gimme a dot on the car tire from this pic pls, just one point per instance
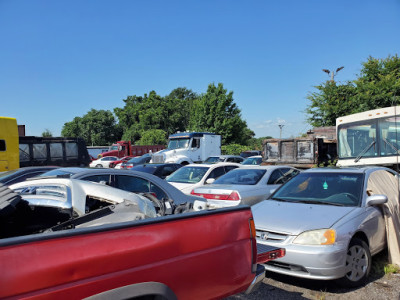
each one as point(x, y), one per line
point(99, 166)
point(358, 264)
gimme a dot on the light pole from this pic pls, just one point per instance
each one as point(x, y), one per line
point(280, 130)
point(332, 73)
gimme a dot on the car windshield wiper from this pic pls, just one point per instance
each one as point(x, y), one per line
point(321, 202)
point(282, 200)
point(364, 151)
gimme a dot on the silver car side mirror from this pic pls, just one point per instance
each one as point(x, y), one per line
point(376, 200)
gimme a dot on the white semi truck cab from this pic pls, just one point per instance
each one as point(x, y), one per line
point(189, 147)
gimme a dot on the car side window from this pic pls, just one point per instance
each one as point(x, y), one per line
point(229, 168)
point(132, 184)
point(275, 176)
point(157, 191)
point(98, 178)
point(167, 170)
point(217, 172)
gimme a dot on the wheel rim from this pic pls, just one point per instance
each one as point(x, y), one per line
point(357, 263)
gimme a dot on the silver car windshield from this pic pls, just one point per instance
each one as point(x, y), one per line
point(188, 174)
point(241, 176)
point(342, 189)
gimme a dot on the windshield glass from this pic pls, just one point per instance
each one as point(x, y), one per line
point(187, 174)
point(252, 161)
point(58, 172)
point(7, 173)
point(113, 147)
point(213, 159)
point(178, 143)
point(241, 176)
point(138, 159)
point(325, 188)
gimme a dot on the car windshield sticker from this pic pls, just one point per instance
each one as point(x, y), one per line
point(325, 185)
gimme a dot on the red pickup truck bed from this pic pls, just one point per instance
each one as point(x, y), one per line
point(201, 255)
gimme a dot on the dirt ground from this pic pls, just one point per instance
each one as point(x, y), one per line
point(276, 286)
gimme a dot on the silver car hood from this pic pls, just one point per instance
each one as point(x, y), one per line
point(295, 218)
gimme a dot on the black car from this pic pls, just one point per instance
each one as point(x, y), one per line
point(160, 170)
point(18, 175)
point(248, 153)
point(138, 160)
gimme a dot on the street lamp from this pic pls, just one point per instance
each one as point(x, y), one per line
point(280, 130)
point(332, 73)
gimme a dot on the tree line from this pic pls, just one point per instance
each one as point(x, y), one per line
point(150, 118)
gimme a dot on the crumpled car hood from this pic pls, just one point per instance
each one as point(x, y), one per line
point(295, 218)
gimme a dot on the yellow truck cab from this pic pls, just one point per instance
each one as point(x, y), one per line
point(9, 141)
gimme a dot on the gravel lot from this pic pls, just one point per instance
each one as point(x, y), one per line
point(275, 286)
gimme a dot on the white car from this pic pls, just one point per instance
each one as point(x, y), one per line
point(194, 175)
point(103, 162)
point(245, 185)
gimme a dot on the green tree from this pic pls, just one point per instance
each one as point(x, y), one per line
point(97, 127)
point(378, 85)
point(153, 137)
point(215, 111)
point(170, 113)
point(47, 133)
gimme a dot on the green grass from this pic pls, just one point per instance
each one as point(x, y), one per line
point(381, 266)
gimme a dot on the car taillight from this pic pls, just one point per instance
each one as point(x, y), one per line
point(233, 196)
point(252, 228)
point(129, 167)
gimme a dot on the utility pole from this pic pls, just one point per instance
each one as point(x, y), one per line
point(280, 130)
point(332, 73)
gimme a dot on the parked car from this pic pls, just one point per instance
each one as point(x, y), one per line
point(132, 181)
point(138, 160)
point(224, 158)
point(245, 185)
point(253, 160)
point(159, 170)
point(103, 162)
point(18, 175)
point(194, 175)
point(114, 163)
point(248, 153)
point(330, 221)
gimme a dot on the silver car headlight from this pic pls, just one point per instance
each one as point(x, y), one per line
point(316, 237)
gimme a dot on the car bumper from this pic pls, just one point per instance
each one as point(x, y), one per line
point(313, 262)
point(260, 275)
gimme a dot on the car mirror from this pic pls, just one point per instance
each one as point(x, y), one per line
point(210, 180)
point(376, 200)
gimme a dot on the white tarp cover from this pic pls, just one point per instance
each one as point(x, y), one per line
point(383, 182)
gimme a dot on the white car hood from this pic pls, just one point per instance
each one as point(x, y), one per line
point(295, 218)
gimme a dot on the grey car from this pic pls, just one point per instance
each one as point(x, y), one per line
point(132, 181)
point(245, 185)
point(330, 221)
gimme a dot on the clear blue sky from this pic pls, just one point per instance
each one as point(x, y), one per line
point(59, 59)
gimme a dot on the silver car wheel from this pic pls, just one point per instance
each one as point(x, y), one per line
point(357, 263)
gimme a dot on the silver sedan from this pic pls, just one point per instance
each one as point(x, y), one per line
point(244, 185)
point(330, 222)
